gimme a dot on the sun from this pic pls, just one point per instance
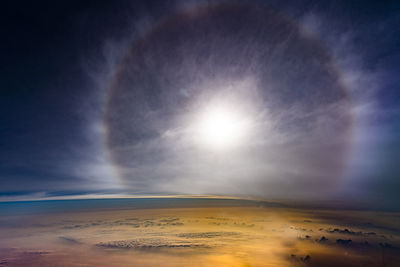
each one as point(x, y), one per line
point(221, 128)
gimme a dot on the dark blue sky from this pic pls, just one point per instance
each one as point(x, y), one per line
point(57, 58)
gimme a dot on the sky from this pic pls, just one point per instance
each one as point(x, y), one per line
point(291, 100)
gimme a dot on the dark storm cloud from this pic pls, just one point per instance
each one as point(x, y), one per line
point(344, 241)
point(349, 232)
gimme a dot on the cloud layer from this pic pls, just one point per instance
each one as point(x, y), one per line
point(260, 65)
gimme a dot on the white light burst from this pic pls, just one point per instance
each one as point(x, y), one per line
point(221, 128)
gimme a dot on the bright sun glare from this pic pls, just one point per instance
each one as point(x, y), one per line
point(221, 128)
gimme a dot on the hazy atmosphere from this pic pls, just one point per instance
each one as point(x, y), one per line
point(269, 99)
point(200, 133)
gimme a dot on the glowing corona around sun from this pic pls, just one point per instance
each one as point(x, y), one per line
point(221, 128)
